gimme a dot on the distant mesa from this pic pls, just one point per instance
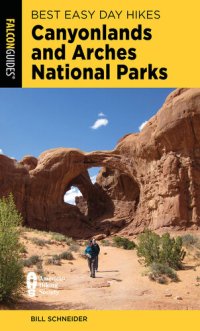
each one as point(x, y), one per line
point(151, 179)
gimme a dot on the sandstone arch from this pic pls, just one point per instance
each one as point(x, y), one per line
point(59, 169)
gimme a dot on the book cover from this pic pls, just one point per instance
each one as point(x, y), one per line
point(99, 165)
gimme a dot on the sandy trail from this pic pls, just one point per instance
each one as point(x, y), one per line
point(119, 284)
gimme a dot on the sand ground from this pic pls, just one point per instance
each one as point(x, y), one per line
point(119, 284)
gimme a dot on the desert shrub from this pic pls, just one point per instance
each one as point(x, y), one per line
point(165, 250)
point(171, 252)
point(58, 237)
point(124, 243)
point(106, 242)
point(148, 247)
point(74, 247)
point(190, 240)
point(40, 242)
point(26, 263)
point(32, 260)
point(54, 260)
point(35, 231)
point(161, 273)
point(22, 249)
point(62, 238)
point(69, 241)
point(24, 236)
point(67, 255)
point(11, 268)
point(40, 270)
point(28, 229)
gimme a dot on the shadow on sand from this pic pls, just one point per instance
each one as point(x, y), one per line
point(39, 305)
point(108, 271)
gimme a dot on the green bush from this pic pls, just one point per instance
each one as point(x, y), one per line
point(66, 256)
point(171, 252)
point(161, 272)
point(11, 268)
point(149, 247)
point(165, 250)
point(124, 243)
point(32, 260)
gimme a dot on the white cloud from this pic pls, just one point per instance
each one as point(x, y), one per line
point(74, 192)
point(142, 125)
point(101, 114)
point(1, 151)
point(93, 179)
point(70, 195)
point(100, 122)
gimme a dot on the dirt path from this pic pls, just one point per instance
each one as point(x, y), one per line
point(119, 284)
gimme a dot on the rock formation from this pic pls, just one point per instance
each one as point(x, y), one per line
point(151, 179)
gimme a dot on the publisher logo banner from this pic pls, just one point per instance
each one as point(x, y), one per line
point(11, 44)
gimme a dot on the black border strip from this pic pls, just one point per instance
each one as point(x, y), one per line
point(11, 43)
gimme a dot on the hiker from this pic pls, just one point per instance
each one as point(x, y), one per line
point(97, 249)
point(90, 252)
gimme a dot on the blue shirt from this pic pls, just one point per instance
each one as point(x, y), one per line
point(90, 250)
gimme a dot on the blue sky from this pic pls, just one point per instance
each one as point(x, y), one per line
point(34, 120)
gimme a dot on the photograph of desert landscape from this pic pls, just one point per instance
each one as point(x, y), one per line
point(117, 166)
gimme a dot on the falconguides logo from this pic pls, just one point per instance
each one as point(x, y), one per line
point(31, 283)
point(10, 48)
